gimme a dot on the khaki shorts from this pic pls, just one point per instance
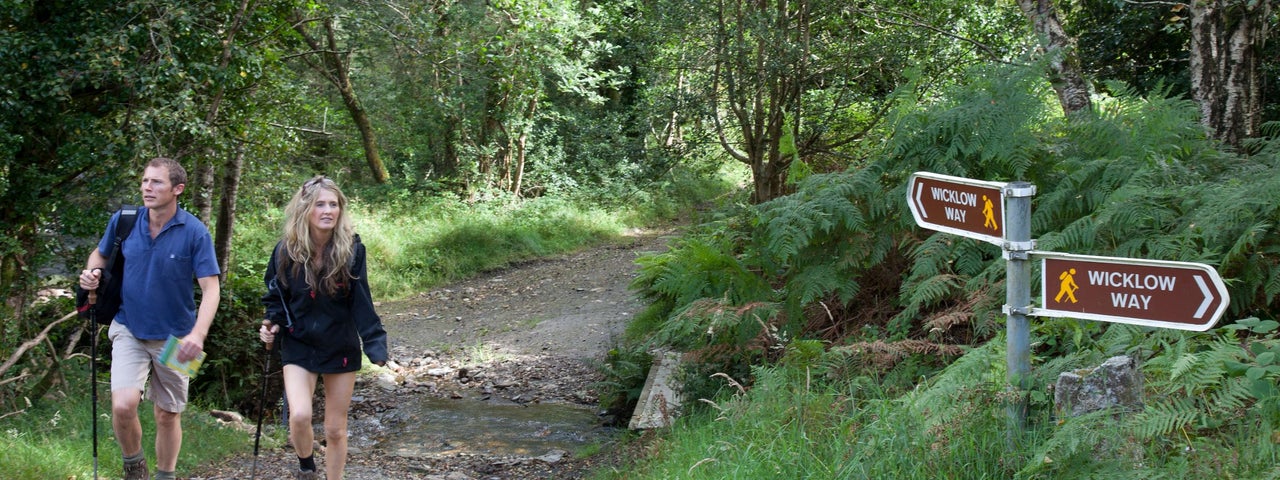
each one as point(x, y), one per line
point(133, 360)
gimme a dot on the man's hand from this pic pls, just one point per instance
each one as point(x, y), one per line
point(192, 345)
point(89, 279)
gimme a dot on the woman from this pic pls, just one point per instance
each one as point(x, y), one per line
point(317, 290)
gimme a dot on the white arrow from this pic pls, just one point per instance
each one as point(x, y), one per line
point(1208, 296)
point(920, 189)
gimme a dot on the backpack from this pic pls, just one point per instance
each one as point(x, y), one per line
point(112, 275)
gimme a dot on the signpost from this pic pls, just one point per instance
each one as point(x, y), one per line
point(1153, 293)
point(962, 206)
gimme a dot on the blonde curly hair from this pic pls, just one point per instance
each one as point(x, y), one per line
point(334, 270)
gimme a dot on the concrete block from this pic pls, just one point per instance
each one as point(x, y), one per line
point(660, 399)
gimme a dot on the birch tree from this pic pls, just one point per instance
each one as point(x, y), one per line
point(1227, 38)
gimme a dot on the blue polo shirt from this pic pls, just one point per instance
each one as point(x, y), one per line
point(158, 290)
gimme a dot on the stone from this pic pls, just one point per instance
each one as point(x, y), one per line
point(387, 381)
point(553, 456)
point(1116, 383)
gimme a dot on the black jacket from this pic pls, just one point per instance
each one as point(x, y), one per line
point(323, 333)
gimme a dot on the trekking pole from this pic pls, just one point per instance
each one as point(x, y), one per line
point(93, 372)
point(262, 407)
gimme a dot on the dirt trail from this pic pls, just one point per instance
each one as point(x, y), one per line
point(526, 333)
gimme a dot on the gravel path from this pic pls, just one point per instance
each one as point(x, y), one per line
point(529, 333)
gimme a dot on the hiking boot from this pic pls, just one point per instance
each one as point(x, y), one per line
point(136, 471)
point(307, 475)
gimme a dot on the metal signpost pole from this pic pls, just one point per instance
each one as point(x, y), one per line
point(1017, 253)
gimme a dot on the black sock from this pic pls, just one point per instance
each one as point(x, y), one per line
point(307, 464)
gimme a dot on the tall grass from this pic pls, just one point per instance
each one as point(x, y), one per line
point(796, 423)
point(53, 438)
point(778, 429)
point(415, 243)
point(808, 423)
point(443, 242)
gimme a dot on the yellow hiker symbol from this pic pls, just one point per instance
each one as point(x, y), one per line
point(1068, 286)
point(989, 211)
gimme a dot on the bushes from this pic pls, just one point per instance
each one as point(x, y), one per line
point(841, 260)
point(232, 373)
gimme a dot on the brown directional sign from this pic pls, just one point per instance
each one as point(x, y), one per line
point(1180, 295)
point(962, 206)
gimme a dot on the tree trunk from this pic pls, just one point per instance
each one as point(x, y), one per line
point(1064, 66)
point(1226, 40)
point(227, 209)
point(769, 177)
point(203, 175)
point(342, 79)
point(760, 83)
point(368, 140)
point(202, 188)
point(337, 71)
point(489, 140)
point(521, 143)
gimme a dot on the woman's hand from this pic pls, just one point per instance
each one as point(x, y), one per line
point(267, 333)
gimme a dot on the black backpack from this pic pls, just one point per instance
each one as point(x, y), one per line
point(112, 273)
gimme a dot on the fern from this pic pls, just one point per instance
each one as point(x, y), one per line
point(1233, 395)
point(981, 367)
point(1163, 418)
point(1200, 371)
point(1138, 179)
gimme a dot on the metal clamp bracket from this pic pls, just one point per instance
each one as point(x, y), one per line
point(1010, 310)
point(1019, 190)
point(1023, 249)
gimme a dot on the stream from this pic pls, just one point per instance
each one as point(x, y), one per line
point(426, 427)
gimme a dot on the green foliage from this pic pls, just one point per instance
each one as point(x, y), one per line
point(625, 370)
point(516, 97)
point(840, 230)
point(819, 73)
point(954, 424)
point(1136, 179)
point(750, 435)
point(54, 439)
point(1141, 44)
point(95, 89)
point(796, 422)
point(232, 373)
point(418, 245)
point(697, 268)
point(39, 371)
point(1210, 410)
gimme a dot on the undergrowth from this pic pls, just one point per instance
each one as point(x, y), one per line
point(53, 438)
point(842, 262)
point(817, 420)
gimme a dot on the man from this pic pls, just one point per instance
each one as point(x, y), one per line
point(167, 248)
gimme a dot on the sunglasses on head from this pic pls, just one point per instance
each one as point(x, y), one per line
point(315, 181)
